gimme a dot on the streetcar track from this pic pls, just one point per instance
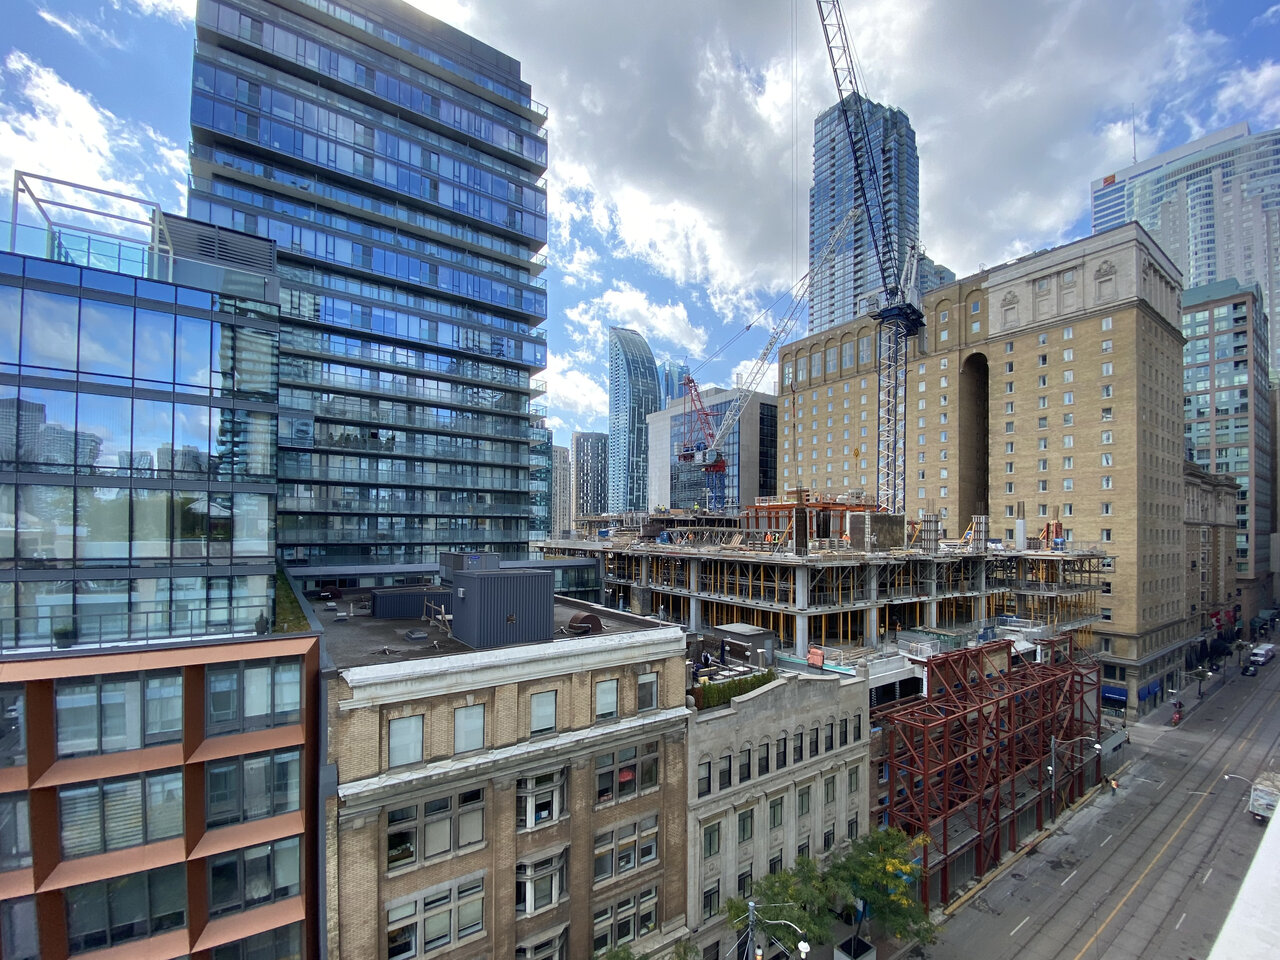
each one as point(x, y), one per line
point(1246, 714)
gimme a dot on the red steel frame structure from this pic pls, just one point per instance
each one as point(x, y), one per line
point(967, 765)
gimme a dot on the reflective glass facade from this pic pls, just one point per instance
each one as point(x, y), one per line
point(137, 458)
point(1213, 205)
point(850, 285)
point(634, 393)
point(590, 474)
point(398, 165)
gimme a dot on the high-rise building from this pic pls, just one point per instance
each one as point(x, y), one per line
point(634, 393)
point(561, 493)
point(1228, 423)
point(850, 284)
point(671, 374)
point(1049, 397)
point(156, 775)
point(1212, 204)
point(398, 164)
point(750, 452)
point(540, 481)
point(590, 474)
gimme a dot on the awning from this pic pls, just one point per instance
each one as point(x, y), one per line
point(1115, 693)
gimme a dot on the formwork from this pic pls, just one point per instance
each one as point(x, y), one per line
point(968, 764)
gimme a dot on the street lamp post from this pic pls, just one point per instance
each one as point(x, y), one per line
point(1054, 744)
point(802, 946)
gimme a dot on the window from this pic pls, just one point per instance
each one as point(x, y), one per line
point(435, 917)
point(746, 825)
point(540, 883)
point(710, 840)
point(829, 731)
point(15, 832)
point(975, 306)
point(797, 748)
point(240, 879)
point(1108, 459)
point(1106, 323)
point(647, 692)
point(1108, 369)
point(631, 918)
point(13, 727)
point(468, 728)
point(606, 699)
point(1106, 535)
point(1106, 436)
point(744, 764)
point(283, 941)
point(828, 839)
point(110, 713)
point(114, 814)
point(1068, 333)
point(542, 712)
point(622, 770)
point(780, 752)
point(851, 828)
point(107, 912)
point(829, 790)
point(239, 789)
point(857, 727)
point(540, 799)
point(1106, 508)
point(802, 801)
point(252, 696)
point(844, 731)
point(762, 758)
point(704, 778)
point(1106, 346)
point(775, 813)
point(711, 901)
point(404, 740)
point(553, 948)
point(1106, 482)
point(1068, 397)
point(813, 741)
point(802, 849)
point(429, 828)
point(744, 883)
point(853, 780)
point(725, 773)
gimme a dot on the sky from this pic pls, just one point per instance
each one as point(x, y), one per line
point(681, 131)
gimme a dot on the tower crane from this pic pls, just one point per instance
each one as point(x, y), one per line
point(900, 317)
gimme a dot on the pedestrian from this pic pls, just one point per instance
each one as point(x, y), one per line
point(1114, 785)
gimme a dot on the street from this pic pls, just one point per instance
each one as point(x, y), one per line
point(1150, 871)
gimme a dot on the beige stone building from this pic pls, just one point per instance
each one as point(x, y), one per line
point(775, 774)
point(524, 801)
point(1047, 390)
point(1210, 520)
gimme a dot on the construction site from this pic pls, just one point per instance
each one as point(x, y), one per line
point(977, 651)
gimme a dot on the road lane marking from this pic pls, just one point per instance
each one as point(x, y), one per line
point(1106, 841)
point(1178, 925)
point(1206, 877)
point(1143, 876)
point(1065, 882)
point(1018, 927)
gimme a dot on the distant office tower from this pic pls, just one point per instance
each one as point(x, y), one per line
point(671, 376)
point(930, 275)
point(633, 395)
point(154, 711)
point(590, 469)
point(851, 285)
point(561, 493)
point(1228, 416)
point(1213, 205)
point(750, 451)
point(398, 164)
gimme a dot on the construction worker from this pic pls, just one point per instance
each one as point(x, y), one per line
point(1115, 785)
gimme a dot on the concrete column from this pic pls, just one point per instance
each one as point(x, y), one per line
point(645, 571)
point(802, 608)
point(872, 637)
point(695, 600)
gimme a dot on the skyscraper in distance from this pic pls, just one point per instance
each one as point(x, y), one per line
point(634, 393)
point(398, 164)
point(671, 374)
point(590, 474)
point(1212, 204)
point(850, 285)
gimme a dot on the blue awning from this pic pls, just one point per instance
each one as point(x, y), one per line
point(1115, 693)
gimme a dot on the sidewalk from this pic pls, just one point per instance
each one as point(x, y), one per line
point(1162, 716)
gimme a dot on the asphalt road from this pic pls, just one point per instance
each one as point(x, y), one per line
point(1150, 871)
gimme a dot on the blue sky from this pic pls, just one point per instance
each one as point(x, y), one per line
point(681, 134)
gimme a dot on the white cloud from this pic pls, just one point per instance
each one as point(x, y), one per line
point(1267, 18)
point(574, 391)
point(49, 127)
point(90, 35)
point(1250, 93)
point(580, 267)
point(623, 305)
point(742, 370)
point(177, 11)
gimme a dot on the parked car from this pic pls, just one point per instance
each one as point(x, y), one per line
point(1249, 670)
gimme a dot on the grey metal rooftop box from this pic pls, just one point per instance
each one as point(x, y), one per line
point(496, 608)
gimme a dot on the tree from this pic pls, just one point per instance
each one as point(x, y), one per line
point(880, 869)
point(618, 953)
point(685, 950)
point(799, 896)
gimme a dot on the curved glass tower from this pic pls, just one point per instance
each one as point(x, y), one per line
point(634, 393)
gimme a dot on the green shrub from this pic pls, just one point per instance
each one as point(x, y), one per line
point(715, 694)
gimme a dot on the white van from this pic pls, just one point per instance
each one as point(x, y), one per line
point(1262, 653)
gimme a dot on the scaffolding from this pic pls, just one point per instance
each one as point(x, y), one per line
point(966, 764)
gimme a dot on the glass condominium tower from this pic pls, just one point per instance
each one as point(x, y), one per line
point(398, 164)
point(850, 286)
point(634, 393)
point(1213, 205)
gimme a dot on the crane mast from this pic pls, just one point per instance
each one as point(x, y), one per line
point(900, 317)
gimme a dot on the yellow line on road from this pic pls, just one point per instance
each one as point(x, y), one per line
point(1154, 860)
point(1262, 716)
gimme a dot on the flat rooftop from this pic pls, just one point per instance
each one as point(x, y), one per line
point(353, 638)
